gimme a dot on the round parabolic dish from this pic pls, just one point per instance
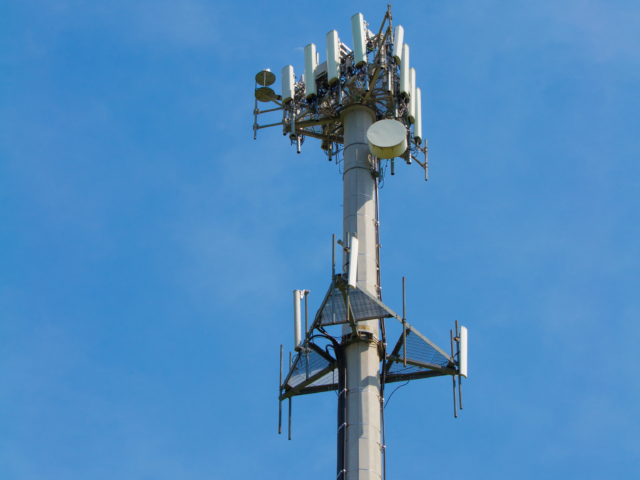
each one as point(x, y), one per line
point(387, 139)
point(265, 78)
point(265, 94)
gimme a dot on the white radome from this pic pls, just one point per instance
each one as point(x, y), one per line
point(387, 139)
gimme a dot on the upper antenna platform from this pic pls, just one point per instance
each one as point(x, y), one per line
point(265, 78)
point(376, 74)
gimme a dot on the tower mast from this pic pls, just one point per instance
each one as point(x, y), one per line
point(363, 103)
point(364, 456)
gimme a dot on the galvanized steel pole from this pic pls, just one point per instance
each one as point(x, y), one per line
point(363, 455)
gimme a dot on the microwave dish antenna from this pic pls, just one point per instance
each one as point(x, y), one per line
point(266, 94)
point(265, 78)
point(387, 139)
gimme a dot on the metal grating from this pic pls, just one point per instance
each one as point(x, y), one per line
point(330, 378)
point(419, 350)
point(306, 365)
point(362, 306)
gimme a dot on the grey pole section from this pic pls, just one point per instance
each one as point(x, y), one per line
point(364, 456)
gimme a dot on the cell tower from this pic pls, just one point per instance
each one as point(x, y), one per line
point(364, 106)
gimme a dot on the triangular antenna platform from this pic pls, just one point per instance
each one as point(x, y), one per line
point(363, 305)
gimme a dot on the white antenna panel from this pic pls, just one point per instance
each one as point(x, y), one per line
point(321, 69)
point(398, 40)
point(417, 126)
point(310, 64)
point(333, 57)
point(353, 262)
point(405, 80)
point(359, 42)
point(387, 139)
point(412, 102)
point(288, 84)
point(463, 352)
point(297, 322)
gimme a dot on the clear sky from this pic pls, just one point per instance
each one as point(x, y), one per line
point(149, 246)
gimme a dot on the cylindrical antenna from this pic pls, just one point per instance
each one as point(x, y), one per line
point(412, 101)
point(404, 322)
point(333, 57)
point(405, 79)
point(288, 84)
point(310, 64)
point(298, 143)
point(359, 41)
point(417, 126)
point(279, 392)
point(398, 40)
point(393, 165)
point(353, 261)
point(463, 357)
point(297, 324)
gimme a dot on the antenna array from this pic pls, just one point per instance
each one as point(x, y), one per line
point(375, 74)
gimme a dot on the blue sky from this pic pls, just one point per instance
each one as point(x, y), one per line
point(149, 246)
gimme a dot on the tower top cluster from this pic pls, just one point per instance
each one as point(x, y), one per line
point(376, 74)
